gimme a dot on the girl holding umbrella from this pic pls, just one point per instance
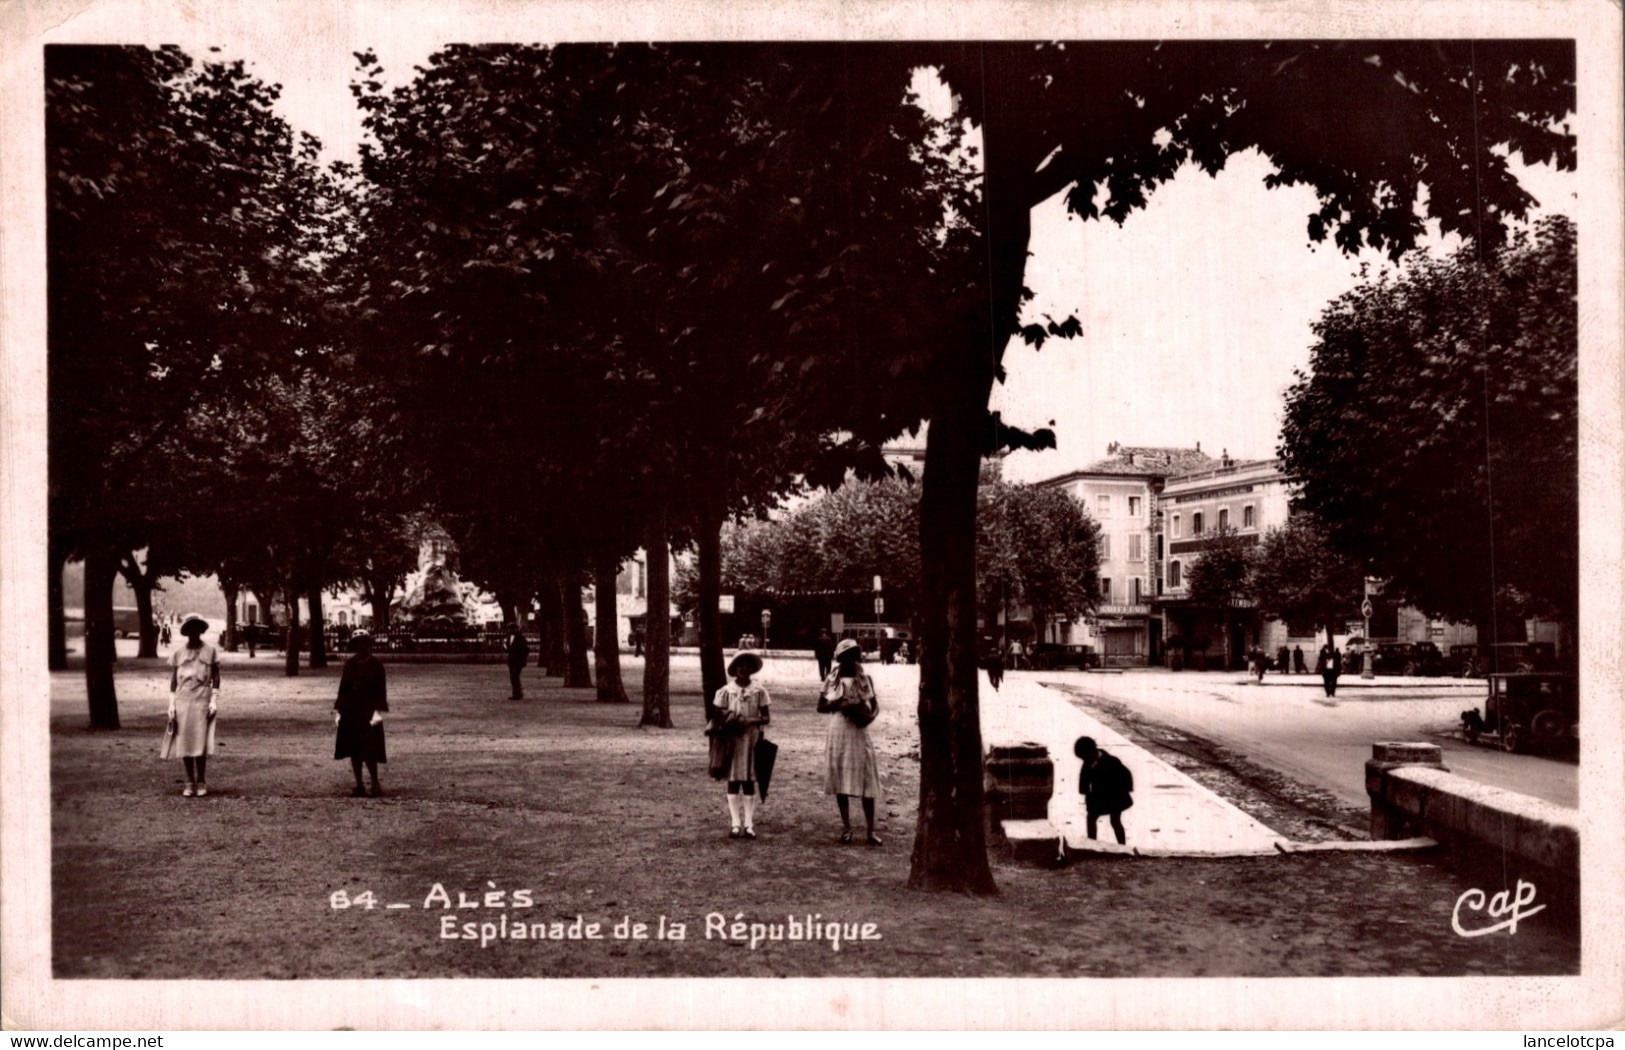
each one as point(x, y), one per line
point(741, 711)
point(850, 764)
point(194, 693)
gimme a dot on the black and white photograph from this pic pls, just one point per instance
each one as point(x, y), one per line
point(1014, 516)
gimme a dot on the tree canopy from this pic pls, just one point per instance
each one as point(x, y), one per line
point(1436, 432)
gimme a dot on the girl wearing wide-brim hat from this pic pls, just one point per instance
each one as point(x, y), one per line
point(741, 711)
point(851, 766)
point(194, 695)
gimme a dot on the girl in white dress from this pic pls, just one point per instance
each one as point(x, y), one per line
point(742, 710)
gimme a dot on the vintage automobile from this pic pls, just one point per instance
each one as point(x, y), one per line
point(1529, 709)
point(1475, 661)
point(1407, 658)
point(1047, 656)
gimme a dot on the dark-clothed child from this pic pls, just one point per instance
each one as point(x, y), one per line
point(1106, 786)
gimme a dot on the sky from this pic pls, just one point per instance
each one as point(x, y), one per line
point(1196, 311)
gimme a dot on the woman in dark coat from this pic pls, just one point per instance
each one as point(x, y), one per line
point(1106, 786)
point(358, 713)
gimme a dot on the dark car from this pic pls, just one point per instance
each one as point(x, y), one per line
point(1465, 661)
point(1528, 709)
point(1047, 656)
point(263, 634)
point(1408, 658)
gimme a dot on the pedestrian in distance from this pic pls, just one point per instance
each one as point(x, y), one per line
point(194, 699)
point(742, 709)
point(824, 652)
point(1329, 664)
point(358, 714)
point(995, 667)
point(636, 640)
point(851, 766)
point(517, 647)
point(164, 635)
point(1297, 660)
point(1258, 662)
point(1106, 785)
point(1283, 660)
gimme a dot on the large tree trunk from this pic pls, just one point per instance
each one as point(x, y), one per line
point(606, 647)
point(950, 851)
point(379, 592)
point(318, 628)
point(1227, 646)
point(509, 604)
point(142, 586)
point(577, 674)
point(552, 658)
point(56, 646)
point(229, 591)
point(290, 663)
point(657, 626)
point(101, 569)
point(708, 538)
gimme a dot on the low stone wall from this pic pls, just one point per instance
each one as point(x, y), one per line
point(1413, 794)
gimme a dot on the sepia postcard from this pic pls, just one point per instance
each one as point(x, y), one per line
point(995, 515)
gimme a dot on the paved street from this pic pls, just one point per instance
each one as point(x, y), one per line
point(1286, 725)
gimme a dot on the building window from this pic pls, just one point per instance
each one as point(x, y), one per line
point(1224, 518)
point(1106, 589)
point(1196, 524)
point(1247, 519)
point(1173, 575)
point(1105, 548)
point(1134, 590)
point(1175, 529)
point(1134, 506)
point(1136, 547)
point(1103, 505)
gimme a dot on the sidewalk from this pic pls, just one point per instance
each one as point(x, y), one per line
point(1172, 814)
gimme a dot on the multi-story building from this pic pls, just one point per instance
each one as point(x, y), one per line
point(1246, 497)
point(1123, 493)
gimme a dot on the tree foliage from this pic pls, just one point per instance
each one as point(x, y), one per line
point(181, 211)
point(1300, 577)
point(1036, 547)
point(1436, 433)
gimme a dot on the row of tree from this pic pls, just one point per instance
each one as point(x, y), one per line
point(1036, 547)
point(583, 298)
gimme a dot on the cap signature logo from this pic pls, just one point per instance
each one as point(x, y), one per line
point(1509, 903)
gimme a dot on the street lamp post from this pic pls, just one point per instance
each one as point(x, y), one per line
point(767, 619)
point(1366, 670)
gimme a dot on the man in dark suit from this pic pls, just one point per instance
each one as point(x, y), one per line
point(1329, 665)
point(518, 650)
point(824, 652)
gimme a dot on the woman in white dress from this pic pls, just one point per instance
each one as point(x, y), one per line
point(851, 766)
point(194, 690)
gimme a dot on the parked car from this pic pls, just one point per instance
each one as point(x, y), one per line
point(1465, 661)
point(262, 633)
point(1047, 656)
point(1407, 658)
point(883, 638)
point(1527, 709)
point(126, 621)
